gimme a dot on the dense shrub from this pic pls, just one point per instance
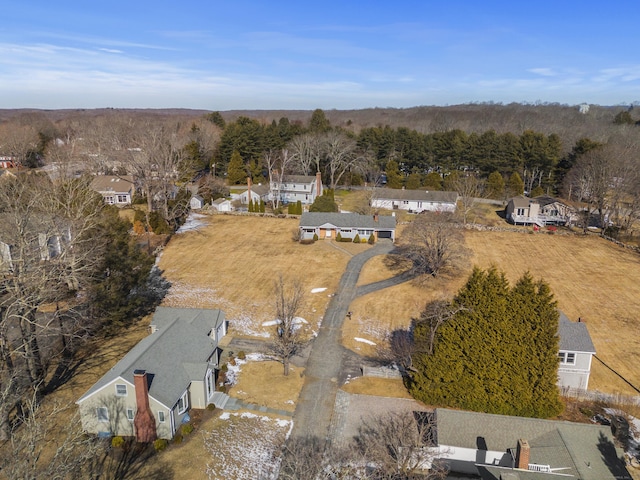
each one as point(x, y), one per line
point(371, 240)
point(307, 241)
point(338, 237)
point(160, 444)
point(117, 442)
point(242, 355)
point(356, 239)
point(186, 429)
point(315, 237)
point(177, 438)
point(158, 224)
point(211, 407)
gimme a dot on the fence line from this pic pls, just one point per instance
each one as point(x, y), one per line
point(596, 396)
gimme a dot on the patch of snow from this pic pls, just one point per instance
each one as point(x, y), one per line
point(270, 323)
point(193, 222)
point(277, 321)
point(225, 416)
point(317, 290)
point(364, 340)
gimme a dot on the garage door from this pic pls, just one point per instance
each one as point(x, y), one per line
point(385, 234)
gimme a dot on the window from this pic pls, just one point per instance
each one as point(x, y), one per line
point(121, 390)
point(103, 414)
point(109, 199)
point(520, 211)
point(567, 358)
point(123, 199)
point(183, 403)
point(160, 416)
point(130, 414)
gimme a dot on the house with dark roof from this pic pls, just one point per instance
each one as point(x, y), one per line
point(348, 225)
point(500, 447)
point(576, 352)
point(292, 188)
point(114, 190)
point(414, 201)
point(541, 211)
point(150, 391)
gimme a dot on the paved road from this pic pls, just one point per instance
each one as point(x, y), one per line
point(314, 411)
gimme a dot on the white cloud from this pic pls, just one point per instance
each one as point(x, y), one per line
point(545, 72)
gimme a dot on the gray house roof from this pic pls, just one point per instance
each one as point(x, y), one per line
point(298, 179)
point(418, 195)
point(520, 202)
point(174, 356)
point(574, 336)
point(347, 220)
point(585, 451)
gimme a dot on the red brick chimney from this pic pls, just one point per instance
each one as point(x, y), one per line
point(144, 422)
point(318, 184)
point(248, 190)
point(375, 217)
point(522, 454)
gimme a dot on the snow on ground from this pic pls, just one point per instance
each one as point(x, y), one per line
point(277, 321)
point(246, 446)
point(317, 290)
point(193, 222)
point(186, 295)
point(234, 370)
point(364, 340)
point(634, 432)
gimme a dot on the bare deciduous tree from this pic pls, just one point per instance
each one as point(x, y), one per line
point(433, 244)
point(402, 446)
point(289, 339)
point(468, 188)
point(278, 165)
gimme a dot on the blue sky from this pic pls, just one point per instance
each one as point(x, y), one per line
point(271, 54)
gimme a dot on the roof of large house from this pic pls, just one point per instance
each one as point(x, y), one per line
point(174, 355)
point(574, 336)
point(260, 189)
point(420, 195)
point(520, 201)
point(347, 220)
point(298, 179)
point(111, 183)
point(584, 451)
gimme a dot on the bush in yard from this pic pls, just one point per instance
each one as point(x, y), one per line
point(186, 429)
point(371, 240)
point(158, 224)
point(356, 239)
point(211, 407)
point(242, 355)
point(298, 207)
point(315, 237)
point(296, 235)
point(117, 442)
point(138, 227)
point(160, 444)
point(177, 438)
point(338, 237)
point(262, 206)
point(291, 209)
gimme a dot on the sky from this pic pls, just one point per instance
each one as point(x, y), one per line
point(273, 54)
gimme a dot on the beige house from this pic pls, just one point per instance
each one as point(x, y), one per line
point(150, 391)
point(539, 211)
point(114, 190)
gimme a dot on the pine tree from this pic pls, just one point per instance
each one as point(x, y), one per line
point(516, 184)
point(496, 354)
point(298, 207)
point(495, 186)
point(394, 177)
point(251, 207)
point(262, 206)
point(236, 171)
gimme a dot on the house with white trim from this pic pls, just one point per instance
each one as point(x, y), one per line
point(576, 352)
point(414, 201)
point(115, 190)
point(149, 392)
point(292, 188)
point(541, 211)
point(348, 225)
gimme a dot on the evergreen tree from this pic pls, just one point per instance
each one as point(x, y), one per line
point(498, 353)
point(324, 203)
point(298, 207)
point(495, 186)
point(433, 181)
point(394, 177)
point(414, 180)
point(319, 122)
point(251, 208)
point(262, 206)
point(516, 185)
point(236, 171)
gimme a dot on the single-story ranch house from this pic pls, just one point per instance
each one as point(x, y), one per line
point(114, 190)
point(414, 201)
point(149, 392)
point(539, 211)
point(348, 225)
point(500, 447)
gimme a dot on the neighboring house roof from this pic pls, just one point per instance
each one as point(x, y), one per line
point(574, 336)
point(111, 183)
point(198, 198)
point(520, 202)
point(220, 201)
point(261, 190)
point(298, 179)
point(173, 356)
point(347, 220)
point(582, 450)
point(415, 195)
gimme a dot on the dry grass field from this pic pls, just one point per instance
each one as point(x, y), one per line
point(590, 277)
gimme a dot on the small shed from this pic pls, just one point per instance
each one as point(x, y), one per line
point(222, 205)
point(196, 202)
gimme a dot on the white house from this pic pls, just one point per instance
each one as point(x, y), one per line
point(414, 201)
point(304, 188)
point(501, 447)
point(196, 202)
point(255, 193)
point(150, 391)
point(115, 190)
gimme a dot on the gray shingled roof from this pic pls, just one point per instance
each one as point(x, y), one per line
point(579, 448)
point(347, 220)
point(298, 179)
point(574, 336)
point(424, 195)
point(112, 183)
point(174, 355)
point(520, 202)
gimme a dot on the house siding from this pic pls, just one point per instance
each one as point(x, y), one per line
point(413, 206)
point(576, 375)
